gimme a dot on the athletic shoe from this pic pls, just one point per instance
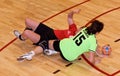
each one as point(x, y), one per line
point(50, 52)
point(27, 56)
point(16, 33)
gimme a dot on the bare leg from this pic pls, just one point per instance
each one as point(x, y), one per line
point(38, 50)
point(29, 55)
point(28, 34)
point(31, 24)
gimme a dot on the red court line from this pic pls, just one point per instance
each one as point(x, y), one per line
point(45, 21)
point(85, 25)
point(102, 15)
point(65, 10)
point(8, 44)
point(115, 73)
point(94, 66)
point(86, 58)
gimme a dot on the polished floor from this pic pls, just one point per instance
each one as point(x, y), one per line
point(54, 13)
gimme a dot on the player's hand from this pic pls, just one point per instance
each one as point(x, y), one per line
point(76, 11)
point(97, 60)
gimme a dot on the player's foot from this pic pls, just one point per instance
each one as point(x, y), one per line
point(17, 33)
point(27, 56)
point(50, 52)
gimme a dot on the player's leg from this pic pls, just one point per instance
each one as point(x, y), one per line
point(29, 55)
point(31, 24)
point(55, 45)
point(27, 34)
point(39, 49)
point(51, 50)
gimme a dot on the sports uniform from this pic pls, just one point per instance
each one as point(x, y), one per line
point(47, 33)
point(71, 48)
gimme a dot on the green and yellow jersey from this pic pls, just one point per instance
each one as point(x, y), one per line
point(73, 47)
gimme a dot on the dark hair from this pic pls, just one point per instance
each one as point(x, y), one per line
point(95, 27)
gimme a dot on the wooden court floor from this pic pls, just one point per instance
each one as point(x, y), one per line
point(54, 13)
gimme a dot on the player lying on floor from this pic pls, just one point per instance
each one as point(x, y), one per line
point(71, 48)
point(38, 32)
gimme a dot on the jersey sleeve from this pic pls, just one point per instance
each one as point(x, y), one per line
point(93, 46)
point(92, 49)
point(73, 28)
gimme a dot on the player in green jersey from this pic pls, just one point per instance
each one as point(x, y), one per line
point(71, 48)
point(84, 41)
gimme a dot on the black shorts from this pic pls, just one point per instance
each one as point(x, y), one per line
point(45, 32)
point(57, 48)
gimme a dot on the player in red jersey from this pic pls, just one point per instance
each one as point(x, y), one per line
point(38, 32)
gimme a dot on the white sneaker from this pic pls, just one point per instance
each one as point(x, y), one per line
point(50, 52)
point(16, 33)
point(27, 56)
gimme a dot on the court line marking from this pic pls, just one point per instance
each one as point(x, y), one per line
point(85, 25)
point(5, 46)
point(47, 20)
point(117, 40)
point(56, 71)
point(66, 10)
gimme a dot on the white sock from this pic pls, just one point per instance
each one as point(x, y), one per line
point(32, 53)
point(50, 52)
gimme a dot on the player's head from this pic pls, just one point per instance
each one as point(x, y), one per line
point(95, 27)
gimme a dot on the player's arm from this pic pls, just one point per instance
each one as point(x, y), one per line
point(101, 52)
point(98, 51)
point(70, 16)
point(92, 57)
